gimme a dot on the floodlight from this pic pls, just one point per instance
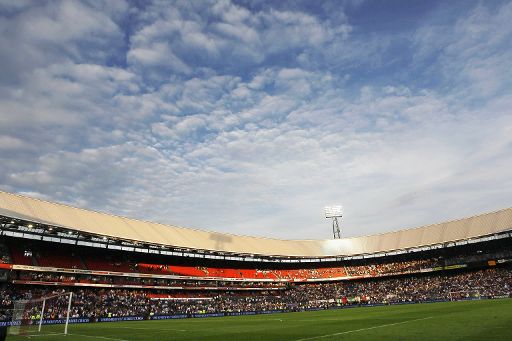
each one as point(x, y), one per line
point(333, 211)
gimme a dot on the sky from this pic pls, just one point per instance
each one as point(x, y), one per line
point(249, 117)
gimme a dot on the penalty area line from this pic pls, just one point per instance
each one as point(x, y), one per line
point(37, 335)
point(362, 329)
point(99, 337)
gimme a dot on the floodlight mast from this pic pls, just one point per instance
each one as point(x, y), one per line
point(334, 212)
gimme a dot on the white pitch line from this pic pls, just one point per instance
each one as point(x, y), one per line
point(315, 320)
point(362, 329)
point(36, 335)
point(99, 337)
point(137, 328)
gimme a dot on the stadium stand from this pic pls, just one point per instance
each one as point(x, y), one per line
point(4, 254)
point(111, 276)
point(102, 263)
point(96, 303)
point(76, 258)
point(22, 257)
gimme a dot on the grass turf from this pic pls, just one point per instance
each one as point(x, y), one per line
point(468, 320)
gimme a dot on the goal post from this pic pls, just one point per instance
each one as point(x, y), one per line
point(44, 315)
point(67, 313)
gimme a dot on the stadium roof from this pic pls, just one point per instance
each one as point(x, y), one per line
point(115, 227)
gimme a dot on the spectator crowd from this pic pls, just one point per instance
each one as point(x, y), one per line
point(95, 303)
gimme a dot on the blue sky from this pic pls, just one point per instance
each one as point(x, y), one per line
point(250, 116)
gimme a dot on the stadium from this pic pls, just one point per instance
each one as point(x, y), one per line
point(78, 274)
point(165, 167)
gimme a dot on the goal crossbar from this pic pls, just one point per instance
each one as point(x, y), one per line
point(21, 313)
point(475, 291)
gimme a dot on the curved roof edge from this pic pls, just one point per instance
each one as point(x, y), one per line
point(102, 224)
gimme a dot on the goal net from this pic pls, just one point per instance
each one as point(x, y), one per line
point(45, 315)
point(473, 294)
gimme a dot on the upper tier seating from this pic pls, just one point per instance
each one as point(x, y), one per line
point(21, 257)
point(58, 258)
point(102, 263)
point(65, 256)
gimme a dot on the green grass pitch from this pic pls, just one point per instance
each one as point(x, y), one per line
point(469, 320)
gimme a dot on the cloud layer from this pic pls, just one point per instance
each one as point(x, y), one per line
point(250, 117)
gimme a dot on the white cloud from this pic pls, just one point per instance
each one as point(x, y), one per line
point(229, 32)
point(247, 122)
point(50, 32)
point(471, 53)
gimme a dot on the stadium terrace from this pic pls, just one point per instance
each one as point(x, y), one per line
point(61, 265)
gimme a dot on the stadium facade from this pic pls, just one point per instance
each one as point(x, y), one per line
point(153, 271)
